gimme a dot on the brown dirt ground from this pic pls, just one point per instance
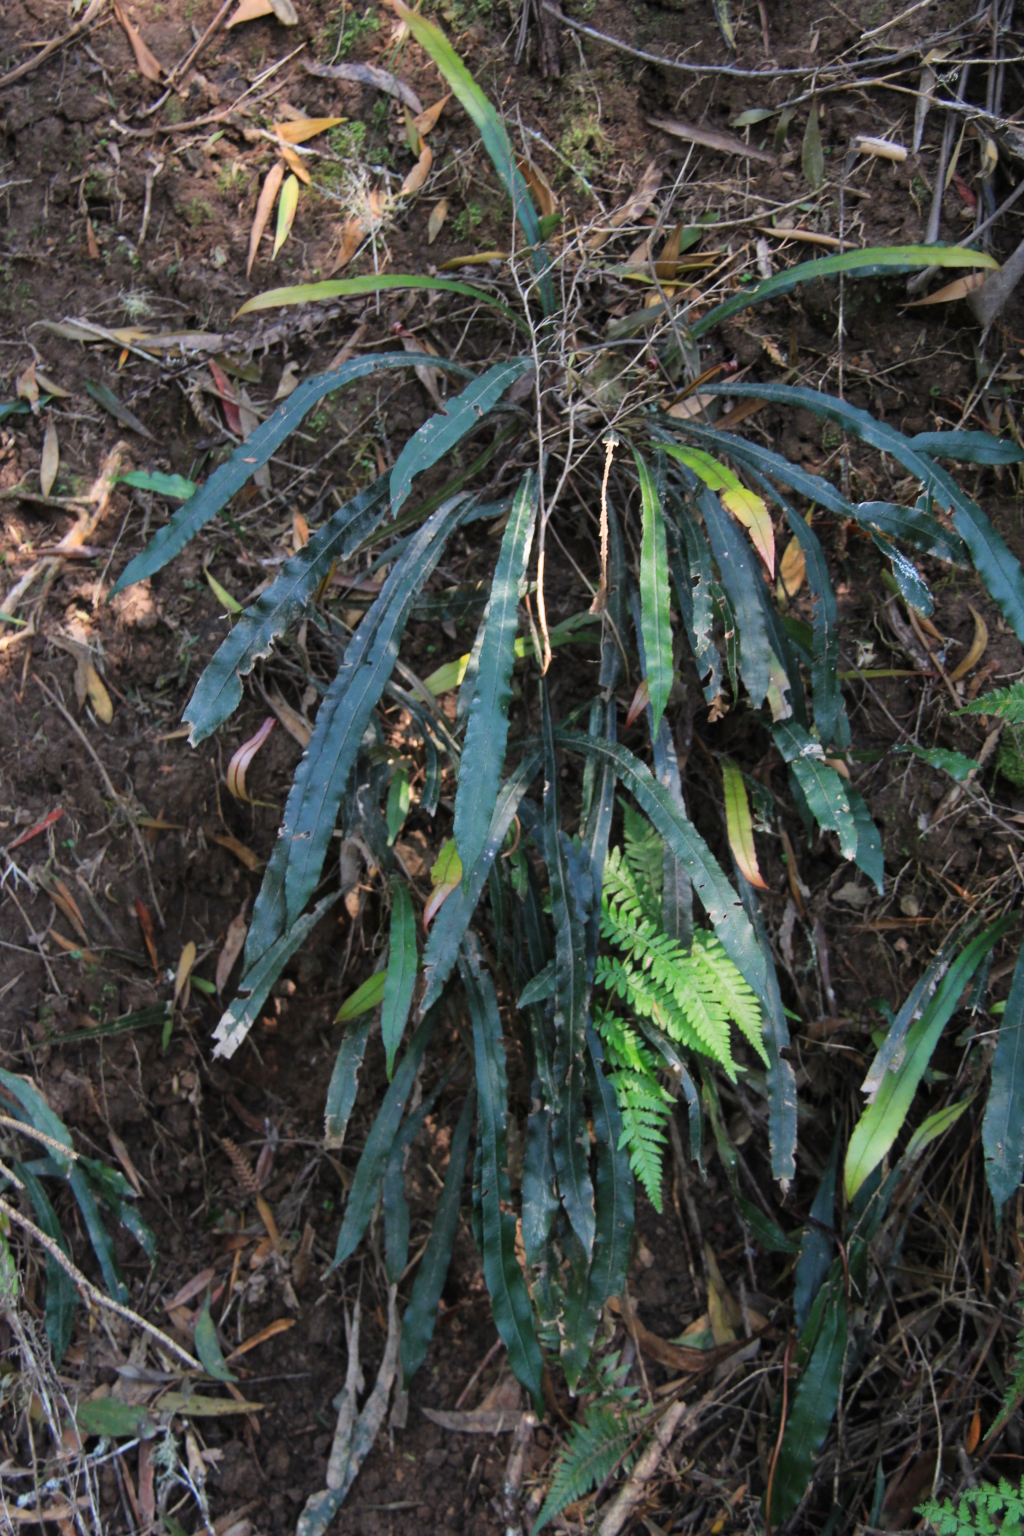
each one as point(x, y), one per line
point(64, 170)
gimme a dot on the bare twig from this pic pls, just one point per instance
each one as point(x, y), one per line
point(87, 1288)
point(51, 48)
point(633, 1491)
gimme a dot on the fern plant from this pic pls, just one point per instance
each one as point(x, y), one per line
point(604, 1442)
point(700, 501)
point(984, 1511)
point(673, 996)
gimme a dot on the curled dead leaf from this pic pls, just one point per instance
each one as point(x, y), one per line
point(294, 163)
point(148, 935)
point(977, 649)
point(305, 128)
point(958, 289)
point(186, 961)
point(235, 776)
point(26, 388)
point(249, 10)
point(243, 854)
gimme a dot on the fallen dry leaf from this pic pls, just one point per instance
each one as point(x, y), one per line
point(538, 185)
point(241, 852)
point(269, 1332)
point(474, 1421)
point(285, 12)
point(26, 387)
point(228, 397)
point(290, 718)
point(149, 65)
point(638, 204)
point(294, 163)
point(792, 570)
point(235, 776)
point(419, 173)
point(72, 947)
point(47, 384)
point(711, 138)
point(183, 974)
point(192, 1288)
point(435, 223)
point(234, 941)
point(958, 289)
point(288, 381)
point(63, 898)
point(50, 459)
point(305, 128)
point(121, 1153)
point(884, 149)
point(977, 649)
point(98, 696)
point(270, 189)
point(250, 10)
point(427, 119)
point(146, 929)
point(808, 236)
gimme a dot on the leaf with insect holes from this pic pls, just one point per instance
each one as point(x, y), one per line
point(739, 825)
point(268, 194)
point(50, 459)
point(444, 878)
point(286, 206)
point(400, 977)
point(235, 776)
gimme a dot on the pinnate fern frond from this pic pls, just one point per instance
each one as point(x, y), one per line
point(644, 1113)
point(1006, 703)
point(719, 977)
point(984, 1511)
point(595, 1448)
point(683, 1014)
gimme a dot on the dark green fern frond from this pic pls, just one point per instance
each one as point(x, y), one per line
point(644, 852)
point(595, 1449)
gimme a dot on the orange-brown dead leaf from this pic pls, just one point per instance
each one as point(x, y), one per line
point(148, 935)
point(419, 173)
point(241, 852)
point(295, 163)
point(269, 1332)
point(429, 116)
point(90, 241)
point(271, 187)
point(305, 128)
point(149, 65)
point(71, 948)
point(958, 289)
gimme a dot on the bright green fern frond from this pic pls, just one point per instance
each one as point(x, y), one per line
point(984, 1511)
point(595, 1448)
point(622, 1045)
point(644, 851)
point(1006, 703)
point(729, 988)
point(623, 895)
point(684, 1016)
point(645, 1108)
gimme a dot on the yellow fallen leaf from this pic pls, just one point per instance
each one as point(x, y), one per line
point(149, 65)
point(429, 116)
point(99, 698)
point(435, 223)
point(792, 570)
point(294, 163)
point(977, 649)
point(752, 511)
point(287, 204)
point(50, 459)
point(271, 187)
point(538, 185)
point(250, 10)
point(419, 173)
point(185, 963)
point(305, 128)
point(300, 532)
point(47, 384)
point(740, 826)
point(240, 851)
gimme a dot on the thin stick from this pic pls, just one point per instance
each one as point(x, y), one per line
point(192, 55)
point(58, 1255)
point(600, 602)
point(51, 48)
point(47, 1141)
point(117, 799)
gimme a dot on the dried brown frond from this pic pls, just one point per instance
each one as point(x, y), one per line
point(244, 1174)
